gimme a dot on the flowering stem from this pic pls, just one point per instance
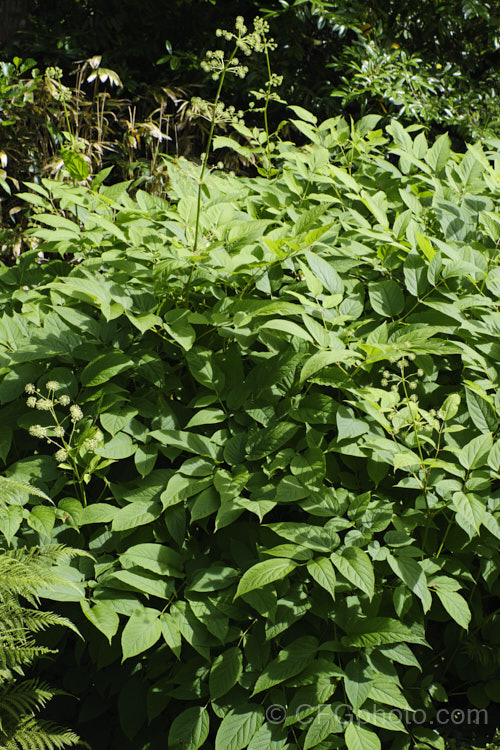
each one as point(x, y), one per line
point(204, 165)
point(266, 105)
point(207, 151)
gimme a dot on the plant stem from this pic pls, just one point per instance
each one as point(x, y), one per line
point(204, 166)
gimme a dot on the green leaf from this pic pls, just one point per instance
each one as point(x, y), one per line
point(155, 557)
point(385, 690)
point(59, 222)
point(303, 114)
point(141, 632)
point(42, 520)
point(140, 580)
point(103, 616)
point(120, 446)
point(377, 204)
point(189, 729)
point(313, 537)
point(355, 565)
point(456, 606)
point(225, 672)
point(188, 441)
point(171, 633)
point(98, 513)
point(238, 727)
point(116, 419)
point(105, 367)
point(439, 153)
point(78, 168)
point(481, 411)
point(325, 273)
point(269, 737)
point(358, 737)
point(347, 424)
point(291, 660)
point(326, 721)
point(321, 569)
point(182, 332)
point(136, 514)
point(270, 439)
point(10, 520)
point(378, 631)
point(475, 454)
point(16, 491)
point(411, 573)
point(214, 578)
point(263, 573)
point(450, 407)
point(471, 508)
point(382, 719)
point(357, 682)
point(320, 360)
point(386, 298)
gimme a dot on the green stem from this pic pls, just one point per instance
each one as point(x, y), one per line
point(266, 105)
point(204, 166)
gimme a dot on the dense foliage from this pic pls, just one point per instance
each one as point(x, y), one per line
point(277, 436)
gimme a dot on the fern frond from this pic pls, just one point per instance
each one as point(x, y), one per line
point(32, 734)
point(24, 573)
point(24, 698)
point(13, 490)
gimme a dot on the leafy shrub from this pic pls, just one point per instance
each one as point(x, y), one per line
point(23, 575)
point(281, 449)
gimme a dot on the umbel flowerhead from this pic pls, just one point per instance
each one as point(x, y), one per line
point(64, 438)
point(247, 42)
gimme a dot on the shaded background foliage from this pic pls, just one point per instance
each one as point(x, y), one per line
point(317, 41)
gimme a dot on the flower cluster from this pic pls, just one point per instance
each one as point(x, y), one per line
point(267, 94)
point(406, 412)
point(56, 89)
point(223, 114)
point(247, 42)
point(216, 63)
point(64, 438)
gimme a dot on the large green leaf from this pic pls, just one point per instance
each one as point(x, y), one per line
point(355, 565)
point(378, 631)
point(290, 661)
point(189, 729)
point(263, 573)
point(104, 367)
point(155, 557)
point(238, 727)
point(225, 672)
point(386, 298)
point(327, 720)
point(141, 631)
point(358, 737)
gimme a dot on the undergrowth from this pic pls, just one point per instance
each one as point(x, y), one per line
point(268, 408)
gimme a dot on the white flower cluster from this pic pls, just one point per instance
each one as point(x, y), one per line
point(247, 42)
point(56, 434)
